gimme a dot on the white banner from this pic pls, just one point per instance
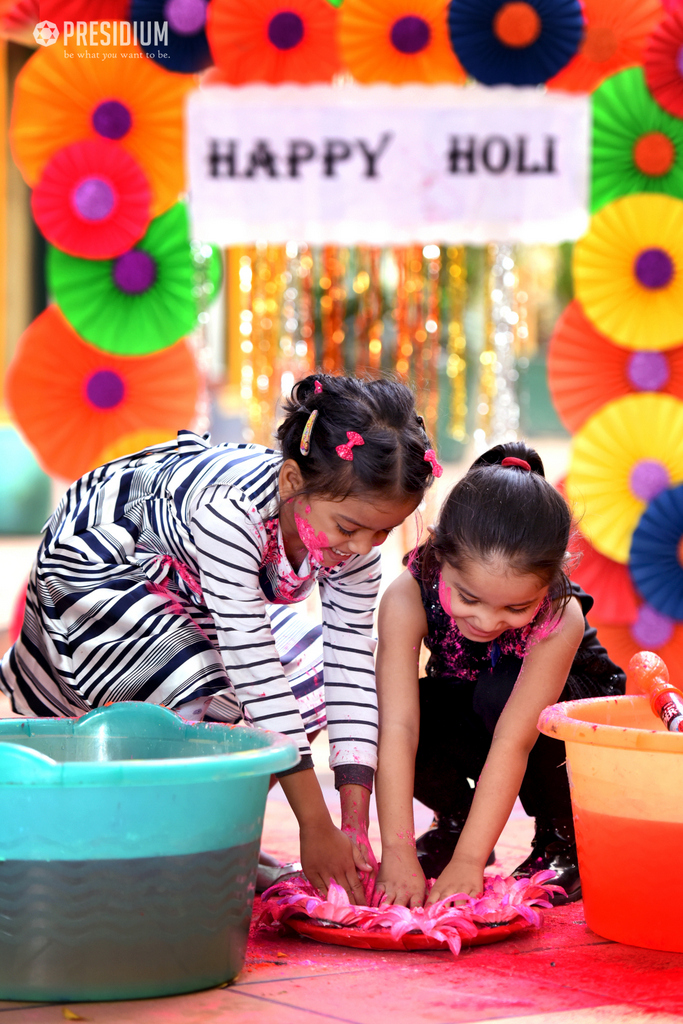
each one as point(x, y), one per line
point(385, 166)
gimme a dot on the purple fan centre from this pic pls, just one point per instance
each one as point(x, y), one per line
point(186, 17)
point(410, 34)
point(654, 268)
point(648, 479)
point(648, 371)
point(93, 199)
point(134, 272)
point(105, 389)
point(285, 30)
point(112, 120)
point(679, 60)
point(652, 629)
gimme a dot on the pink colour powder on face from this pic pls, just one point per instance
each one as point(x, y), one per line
point(445, 597)
point(314, 542)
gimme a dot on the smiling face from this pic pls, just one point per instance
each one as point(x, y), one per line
point(485, 599)
point(334, 530)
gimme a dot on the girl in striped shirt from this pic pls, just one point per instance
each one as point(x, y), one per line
point(165, 576)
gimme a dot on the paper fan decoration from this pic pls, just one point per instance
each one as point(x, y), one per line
point(656, 551)
point(397, 41)
point(609, 583)
point(518, 42)
point(637, 146)
point(70, 399)
point(128, 100)
point(181, 24)
point(273, 40)
point(137, 303)
point(628, 271)
point(585, 370)
point(92, 200)
point(129, 444)
point(614, 38)
point(621, 459)
point(651, 632)
point(59, 11)
point(662, 62)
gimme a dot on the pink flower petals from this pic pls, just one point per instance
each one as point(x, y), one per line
point(503, 900)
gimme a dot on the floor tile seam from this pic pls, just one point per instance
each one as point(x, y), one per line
point(293, 1006)
point(580, 989)
point(304, 977)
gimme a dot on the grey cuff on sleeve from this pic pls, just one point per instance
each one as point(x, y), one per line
point(305, 762)
point(354, 775)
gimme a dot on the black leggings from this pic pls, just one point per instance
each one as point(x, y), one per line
point(457, 721)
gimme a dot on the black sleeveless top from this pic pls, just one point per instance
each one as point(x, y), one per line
point(454, 656)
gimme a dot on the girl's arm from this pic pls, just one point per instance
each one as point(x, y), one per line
point(540, 683)
point(402, 625)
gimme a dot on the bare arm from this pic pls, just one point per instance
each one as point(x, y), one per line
point(540, 683)
point(402, 625)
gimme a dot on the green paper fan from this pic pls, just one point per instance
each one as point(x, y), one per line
point(637, 146)
point(137, 303)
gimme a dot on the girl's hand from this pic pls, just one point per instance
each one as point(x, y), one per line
point(364, 859)
point(400, 879)
point(458, 877)
point(328, 854)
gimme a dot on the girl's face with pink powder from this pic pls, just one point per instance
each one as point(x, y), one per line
point(485, 599)
point(333, 531)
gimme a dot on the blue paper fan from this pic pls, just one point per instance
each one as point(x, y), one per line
point(655, 551)
point(517, 43)
point(172, 32)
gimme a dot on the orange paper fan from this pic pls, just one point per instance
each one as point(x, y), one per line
point(125, 97)
point(398, 41)
point(273, 41)
point(615, 37)
point(586, 370)
point(71, 400)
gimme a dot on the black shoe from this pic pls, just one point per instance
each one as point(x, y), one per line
point(435, 847)
point(554, 849)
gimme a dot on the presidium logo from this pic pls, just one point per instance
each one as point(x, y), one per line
point(46, 33)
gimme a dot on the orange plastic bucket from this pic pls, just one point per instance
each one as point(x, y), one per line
point(626, 777)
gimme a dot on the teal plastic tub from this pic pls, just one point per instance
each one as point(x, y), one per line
point(129, 845)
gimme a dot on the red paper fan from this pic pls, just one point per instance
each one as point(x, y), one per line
point(273, 40)
point(92, 200)
point(608, 582)
point(585, 370)
point(662, 62)
point(615, 35)
point(70, 399)
point(60, 11)
point(621, 644)
point(18, 18)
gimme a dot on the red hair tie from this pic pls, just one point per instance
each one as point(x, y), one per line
point(510, 460)
point(344, 450)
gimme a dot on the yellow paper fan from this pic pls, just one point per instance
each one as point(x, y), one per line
point(628, 271)
point(622, 457)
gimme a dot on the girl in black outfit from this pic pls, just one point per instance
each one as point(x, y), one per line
point(507, 633)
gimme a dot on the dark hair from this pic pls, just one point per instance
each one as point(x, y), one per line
point(391, 460)
point(507, 512)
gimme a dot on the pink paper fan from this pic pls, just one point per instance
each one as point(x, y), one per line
point(92, 200)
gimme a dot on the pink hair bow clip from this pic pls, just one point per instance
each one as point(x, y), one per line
point(317, 388)
point(430, 457)
point(344, 450)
